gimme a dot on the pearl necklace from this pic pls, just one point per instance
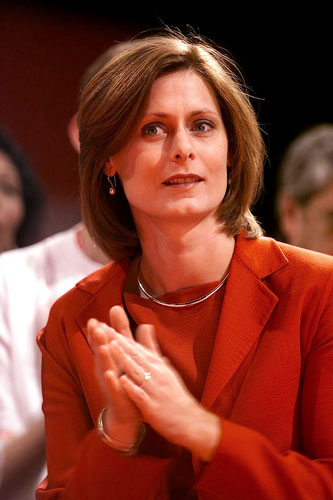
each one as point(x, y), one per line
point(178, 304)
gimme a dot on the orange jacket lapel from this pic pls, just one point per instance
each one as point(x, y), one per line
point(247, 306)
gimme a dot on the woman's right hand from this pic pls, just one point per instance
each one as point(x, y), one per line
point(122, 418)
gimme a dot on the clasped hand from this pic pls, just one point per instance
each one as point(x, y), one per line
point(141, 385)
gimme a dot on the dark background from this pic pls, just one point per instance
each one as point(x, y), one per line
point(46, 46)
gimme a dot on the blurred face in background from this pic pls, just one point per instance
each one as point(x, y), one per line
point(11, 203)
point(317, 222)
point(310, 225)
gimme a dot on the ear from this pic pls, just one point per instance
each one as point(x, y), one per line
point(73, 133)
point(109, 168)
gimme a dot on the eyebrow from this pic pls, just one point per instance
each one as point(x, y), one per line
point(194, 113)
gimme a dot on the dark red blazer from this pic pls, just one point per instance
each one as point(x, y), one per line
point(270, 379)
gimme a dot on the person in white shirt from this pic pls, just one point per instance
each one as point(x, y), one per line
point(31, 279)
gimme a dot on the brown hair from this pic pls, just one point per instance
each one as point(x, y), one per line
point(113, 102)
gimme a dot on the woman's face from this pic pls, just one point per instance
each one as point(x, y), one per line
point(175, 165)
point(11, 203)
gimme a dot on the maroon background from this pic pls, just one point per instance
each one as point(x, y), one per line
point(43, 54)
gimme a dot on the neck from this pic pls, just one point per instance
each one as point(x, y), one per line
point(176, 256)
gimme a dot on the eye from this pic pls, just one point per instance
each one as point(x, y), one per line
point(152, 129)
point(9, 189)
point(203, 126)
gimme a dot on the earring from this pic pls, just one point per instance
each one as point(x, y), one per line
point(112, 189)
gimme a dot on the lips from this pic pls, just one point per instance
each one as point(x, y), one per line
point(182, 179)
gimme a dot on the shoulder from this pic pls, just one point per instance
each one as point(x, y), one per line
point(102, 286)
point(36, 255)
point(263, 253)
point(54, 264)
point(301, 280)
point(91, 297)
point(286, 269)
point(308, 258)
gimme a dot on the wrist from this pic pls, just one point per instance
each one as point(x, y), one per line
point(203, 436)
point(122, 438)
point(121, 428)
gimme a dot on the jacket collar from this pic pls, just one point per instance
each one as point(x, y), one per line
point(104, 288)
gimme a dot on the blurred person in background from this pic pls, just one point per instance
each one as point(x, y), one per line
point(20, 197)
point(305, 192)
point(31, 279)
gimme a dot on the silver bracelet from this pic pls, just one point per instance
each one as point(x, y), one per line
point(120, 446)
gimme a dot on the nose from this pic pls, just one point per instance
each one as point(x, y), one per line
point(182, 148)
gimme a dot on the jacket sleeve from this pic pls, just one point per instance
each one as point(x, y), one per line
point(79, 464)
point(247, 465)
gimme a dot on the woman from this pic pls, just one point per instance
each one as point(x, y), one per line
point(198, 365)
point(20, 197)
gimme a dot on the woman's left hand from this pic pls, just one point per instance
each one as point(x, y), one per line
point(164, 401)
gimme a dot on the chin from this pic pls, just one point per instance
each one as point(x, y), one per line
point(187, 211)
